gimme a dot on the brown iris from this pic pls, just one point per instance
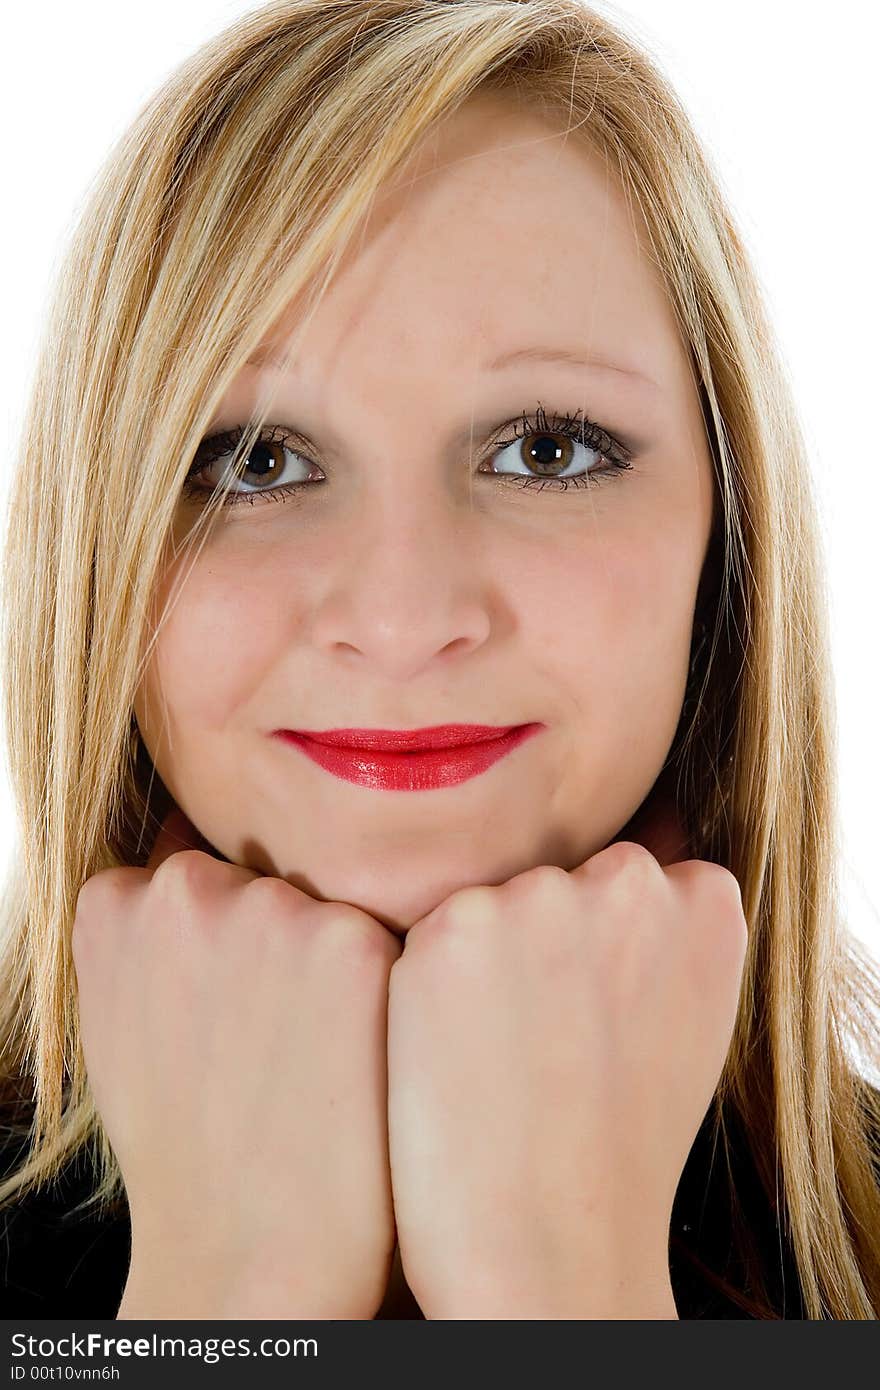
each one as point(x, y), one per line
point(544, 456)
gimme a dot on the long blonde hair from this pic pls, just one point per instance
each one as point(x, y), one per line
point(237, 187)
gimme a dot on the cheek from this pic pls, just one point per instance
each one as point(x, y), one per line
point(225, 629)
point(609, 613)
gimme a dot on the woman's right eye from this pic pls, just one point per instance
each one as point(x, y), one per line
point(267, 460)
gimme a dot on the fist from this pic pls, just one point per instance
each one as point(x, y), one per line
point(553, 1046)
point(234, 1035)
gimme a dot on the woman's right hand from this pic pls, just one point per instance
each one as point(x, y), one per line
point(234, 1031)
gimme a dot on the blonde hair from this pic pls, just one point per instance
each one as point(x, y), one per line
point(237, 187)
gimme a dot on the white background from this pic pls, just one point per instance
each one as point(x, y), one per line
point(784, 95)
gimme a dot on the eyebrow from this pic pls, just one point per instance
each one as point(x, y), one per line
point(572, 356)
point(265, 357)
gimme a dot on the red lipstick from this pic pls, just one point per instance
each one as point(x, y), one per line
point(408, 759)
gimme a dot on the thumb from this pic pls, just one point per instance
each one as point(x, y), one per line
point(176, 832)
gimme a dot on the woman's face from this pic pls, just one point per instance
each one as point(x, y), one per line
point(412, 581)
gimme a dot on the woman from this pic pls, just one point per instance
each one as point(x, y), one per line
point(553, 1025)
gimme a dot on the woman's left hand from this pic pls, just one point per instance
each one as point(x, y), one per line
point(554, 1043)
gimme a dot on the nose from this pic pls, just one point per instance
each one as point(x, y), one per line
point(409, 591)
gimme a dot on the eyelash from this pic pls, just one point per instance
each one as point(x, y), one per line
point(583, 431)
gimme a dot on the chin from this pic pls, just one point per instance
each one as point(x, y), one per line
point(403, 910)
point(398, 902)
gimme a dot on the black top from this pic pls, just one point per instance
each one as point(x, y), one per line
point(55, 1267)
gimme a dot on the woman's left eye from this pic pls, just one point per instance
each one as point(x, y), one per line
point(545, 450)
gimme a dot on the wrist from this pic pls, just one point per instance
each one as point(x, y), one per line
point(640, 1298)
point(154, 1297)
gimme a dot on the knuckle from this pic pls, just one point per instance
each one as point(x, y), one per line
point(272, 896)
point(327, 929)
point(354, 936)
point(717, 883)
point(635, 858)
point(726, 893)
point(456, 927)
point(625, 859)
point(94, 902)
point(185, 870)
point(85, 901)
point(540, 895)
point(468, 907)
point(542, 879)
point(264, 914)
point(716, 898)
point(100, 883)
point(727, 883)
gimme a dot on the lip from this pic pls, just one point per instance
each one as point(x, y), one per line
point(409, 759)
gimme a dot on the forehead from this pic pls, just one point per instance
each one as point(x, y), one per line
point(499, 232)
